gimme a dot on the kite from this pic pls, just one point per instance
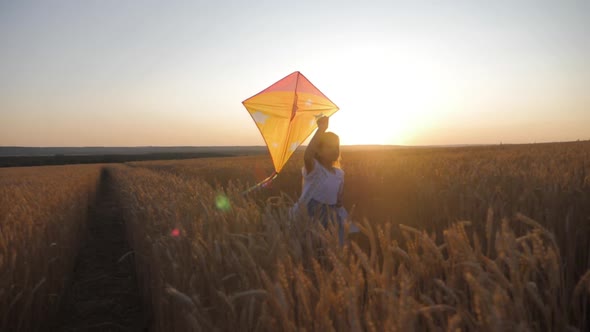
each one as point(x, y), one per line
point(286, 114)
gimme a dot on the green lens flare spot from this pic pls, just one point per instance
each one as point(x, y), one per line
point(222, 202)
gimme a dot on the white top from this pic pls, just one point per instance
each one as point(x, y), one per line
point(321, 184)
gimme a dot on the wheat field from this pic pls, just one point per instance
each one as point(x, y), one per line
point(42, 219)
point(455, 239)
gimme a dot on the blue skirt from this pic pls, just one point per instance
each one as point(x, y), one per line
point(327, 214)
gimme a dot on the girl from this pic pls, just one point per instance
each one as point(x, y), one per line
point(323, 180)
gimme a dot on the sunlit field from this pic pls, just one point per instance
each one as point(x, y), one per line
point(452, 239)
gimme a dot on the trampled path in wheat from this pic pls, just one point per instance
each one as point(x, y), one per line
point(103, 294)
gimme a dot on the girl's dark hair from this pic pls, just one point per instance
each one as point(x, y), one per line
point(329, 136)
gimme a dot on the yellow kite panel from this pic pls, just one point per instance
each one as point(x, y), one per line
point(286, 114)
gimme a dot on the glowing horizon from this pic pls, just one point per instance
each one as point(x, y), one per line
point(124, 74)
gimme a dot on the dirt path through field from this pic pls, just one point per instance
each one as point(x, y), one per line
point(104, 294)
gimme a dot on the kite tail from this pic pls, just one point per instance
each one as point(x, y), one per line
point(261, 184)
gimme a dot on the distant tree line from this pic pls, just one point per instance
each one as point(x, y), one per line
point(60, 159)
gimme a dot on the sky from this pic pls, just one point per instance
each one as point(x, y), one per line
point(170, 73)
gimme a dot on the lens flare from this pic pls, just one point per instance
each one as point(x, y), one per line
point(222, 203)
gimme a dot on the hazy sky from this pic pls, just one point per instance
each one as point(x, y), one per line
point(128, 73)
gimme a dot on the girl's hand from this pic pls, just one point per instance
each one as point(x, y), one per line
point(323, 123)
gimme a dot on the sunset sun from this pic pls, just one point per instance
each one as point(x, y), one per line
point(389, 104)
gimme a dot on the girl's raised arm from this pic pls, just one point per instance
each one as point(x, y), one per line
point(311, 149)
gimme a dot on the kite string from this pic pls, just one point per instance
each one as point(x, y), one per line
point(261, 183)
